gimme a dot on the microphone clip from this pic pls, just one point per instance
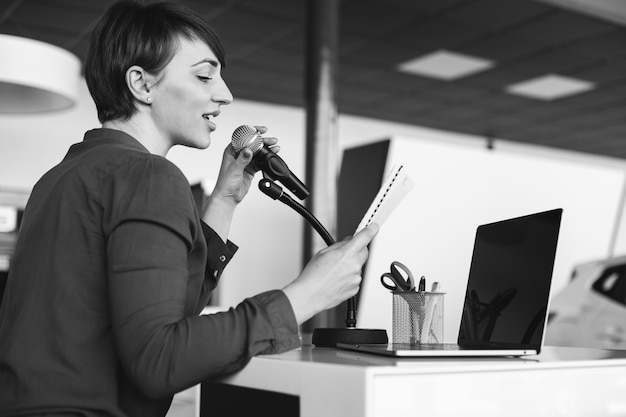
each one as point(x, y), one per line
point(270, 188)
point(276, 169)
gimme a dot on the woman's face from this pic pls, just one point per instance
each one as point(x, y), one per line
point(188, 95)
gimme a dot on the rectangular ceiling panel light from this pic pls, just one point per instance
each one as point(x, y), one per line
point(445, 65)
point(550, 87)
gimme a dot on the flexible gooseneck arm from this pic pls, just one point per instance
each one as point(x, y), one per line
point(274, 191)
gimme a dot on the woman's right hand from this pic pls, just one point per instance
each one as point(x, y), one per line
point(236, 172)
point(332, 276)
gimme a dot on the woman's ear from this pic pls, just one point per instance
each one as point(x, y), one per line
point(139, 83)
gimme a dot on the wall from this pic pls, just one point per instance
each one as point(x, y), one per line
point(33, 143)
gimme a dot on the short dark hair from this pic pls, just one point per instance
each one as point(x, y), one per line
point(130, 34)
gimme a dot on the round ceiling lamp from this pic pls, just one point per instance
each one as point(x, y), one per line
point(36, 76)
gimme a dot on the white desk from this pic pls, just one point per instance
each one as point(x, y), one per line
point(331, 382)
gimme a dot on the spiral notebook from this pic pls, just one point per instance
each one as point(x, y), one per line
point(394, 188)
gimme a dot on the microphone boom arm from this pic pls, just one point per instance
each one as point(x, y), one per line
point(275, 192)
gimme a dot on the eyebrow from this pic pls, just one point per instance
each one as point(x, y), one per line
point(209, 61)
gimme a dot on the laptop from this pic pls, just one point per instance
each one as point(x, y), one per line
point(505, 308)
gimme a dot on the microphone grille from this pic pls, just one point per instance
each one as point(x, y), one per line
point(246, 136)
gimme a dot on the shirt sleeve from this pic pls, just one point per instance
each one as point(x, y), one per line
point(161, 347)
point(219, 255)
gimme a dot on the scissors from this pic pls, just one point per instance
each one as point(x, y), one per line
point(400, 276)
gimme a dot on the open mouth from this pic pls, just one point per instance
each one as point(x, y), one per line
point(210, 118)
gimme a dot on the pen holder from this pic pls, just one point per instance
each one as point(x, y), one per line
point(417, 317)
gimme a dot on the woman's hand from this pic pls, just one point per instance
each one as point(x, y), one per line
point(332, 276)
point(233, 183)
point(236, 173)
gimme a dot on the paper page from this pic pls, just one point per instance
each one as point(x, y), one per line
point(396, 186)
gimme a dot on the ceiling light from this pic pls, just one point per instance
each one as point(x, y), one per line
point(36, 76)
point(445, 65)
point(550, 87)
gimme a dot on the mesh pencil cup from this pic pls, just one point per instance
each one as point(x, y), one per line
point(417, 317)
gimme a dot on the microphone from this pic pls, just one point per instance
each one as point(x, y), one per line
point(267, 160)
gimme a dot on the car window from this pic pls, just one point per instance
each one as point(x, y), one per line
point(612, 284)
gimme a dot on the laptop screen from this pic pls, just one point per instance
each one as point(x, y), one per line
point(508, 289)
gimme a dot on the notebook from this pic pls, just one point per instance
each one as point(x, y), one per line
point(394, 188)
point(507, 296)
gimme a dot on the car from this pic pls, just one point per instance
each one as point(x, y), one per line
point(591, 310)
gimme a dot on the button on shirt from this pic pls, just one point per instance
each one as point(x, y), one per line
point(111, 269)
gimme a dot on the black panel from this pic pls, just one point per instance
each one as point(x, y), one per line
point(361, 175)
point(222, 400)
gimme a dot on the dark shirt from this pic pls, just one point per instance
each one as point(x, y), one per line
point(111, 270)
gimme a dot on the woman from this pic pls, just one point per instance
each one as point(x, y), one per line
point(113, 264)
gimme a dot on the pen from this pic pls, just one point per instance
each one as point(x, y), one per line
point(428, 317)
point(418, 316)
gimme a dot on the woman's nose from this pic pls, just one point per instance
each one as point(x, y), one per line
point(223, 94)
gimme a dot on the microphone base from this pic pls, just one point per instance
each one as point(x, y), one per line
point(329, 337)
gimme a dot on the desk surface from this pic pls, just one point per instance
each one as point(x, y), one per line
point(329, 382)
point(550, 357)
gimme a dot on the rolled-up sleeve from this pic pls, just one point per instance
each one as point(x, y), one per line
point(219, 253)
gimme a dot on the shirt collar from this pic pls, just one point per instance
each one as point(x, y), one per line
point(112, 136)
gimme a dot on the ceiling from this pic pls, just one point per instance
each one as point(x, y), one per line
point(265, 42)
